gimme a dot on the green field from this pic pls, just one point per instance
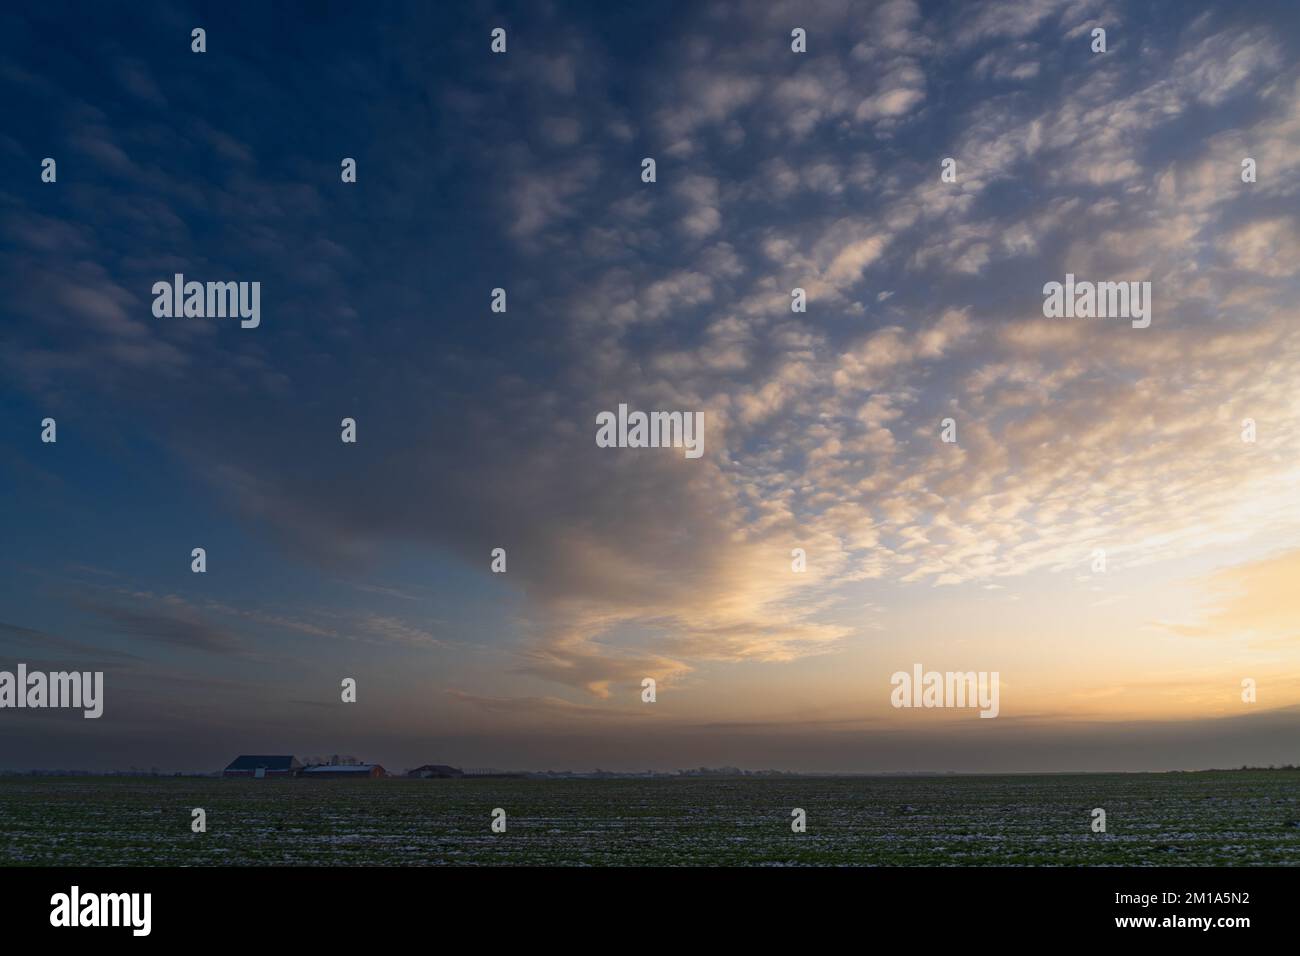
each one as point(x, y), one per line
point(1226, 818)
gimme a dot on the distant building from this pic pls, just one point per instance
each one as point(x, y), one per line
point(435, 771)
point(253, 765)
point(360, 771)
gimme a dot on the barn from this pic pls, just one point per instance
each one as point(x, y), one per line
point(258, 766)
point(357, 771)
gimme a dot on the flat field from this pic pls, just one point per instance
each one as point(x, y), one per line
point(1240, 818)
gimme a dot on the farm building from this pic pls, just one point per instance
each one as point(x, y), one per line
point(254, 765)
point(358, 771)
point(435, 770)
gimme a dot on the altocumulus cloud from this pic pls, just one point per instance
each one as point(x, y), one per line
point(775, 171)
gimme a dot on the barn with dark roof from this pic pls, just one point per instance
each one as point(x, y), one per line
point(257, 765)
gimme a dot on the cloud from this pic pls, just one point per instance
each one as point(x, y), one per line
point(180, 628)
point(776, 171)
point(1270, 247)
point(78, 652)
point(136, 79)
point(1252, 602)
point(545, 708)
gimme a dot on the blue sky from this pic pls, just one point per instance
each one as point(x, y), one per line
point(774, 170)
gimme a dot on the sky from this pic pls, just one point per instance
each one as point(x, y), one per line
point(1100, 534)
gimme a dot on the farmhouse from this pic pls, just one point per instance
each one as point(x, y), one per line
point(251, 765)
point(357, 771)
